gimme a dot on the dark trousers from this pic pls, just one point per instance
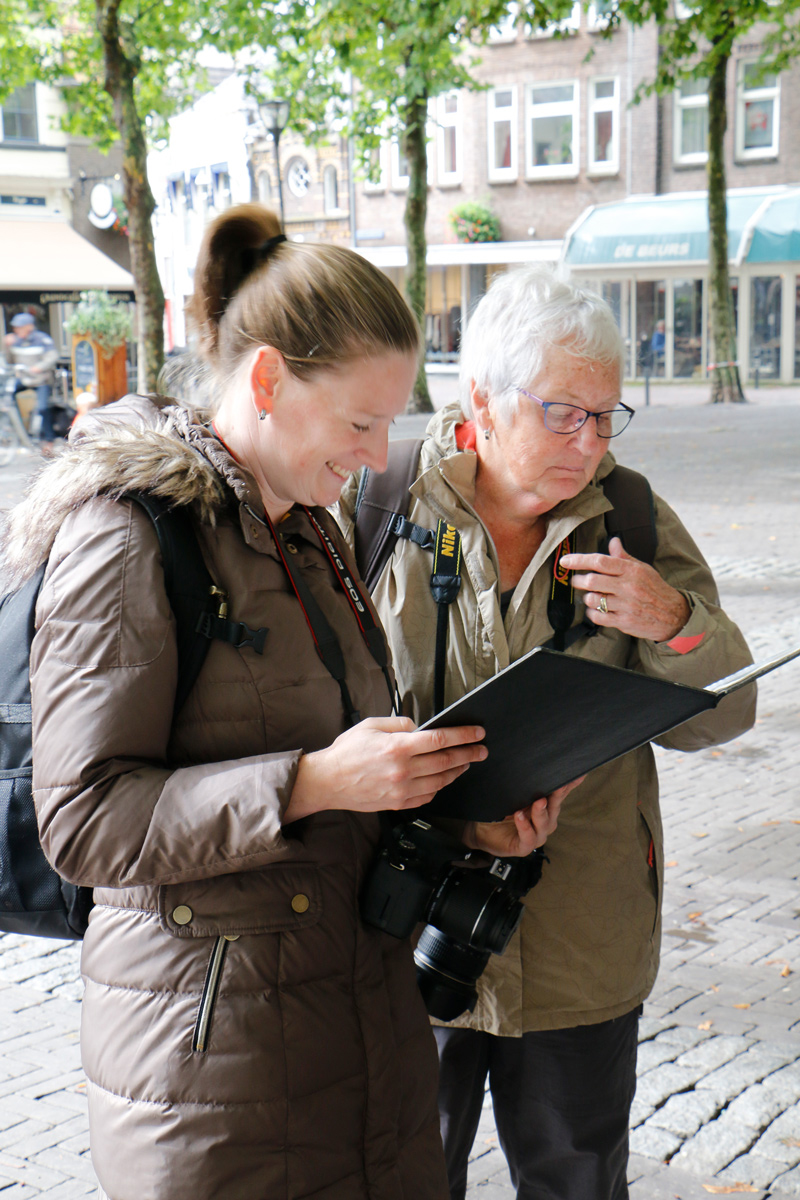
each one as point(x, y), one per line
point(561, 1102)
point(43, 393)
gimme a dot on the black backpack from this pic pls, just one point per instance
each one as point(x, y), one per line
point(34, 899)
point(383, 501)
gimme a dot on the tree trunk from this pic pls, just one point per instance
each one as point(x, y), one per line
point(415, 213)
point(121, 67)
point(726, 385)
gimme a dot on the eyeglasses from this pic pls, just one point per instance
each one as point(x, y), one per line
point(568, 418)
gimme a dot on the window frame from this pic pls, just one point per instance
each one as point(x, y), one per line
point(556, 170)
point(506, 30)
point(382, 182)
point(331, 210)
point(444, 121)
point(760, 93)
point(570, 24)
point(595, 105)
point(681, 103)
point(510, 173)
point(33, 111)
point(596, 19)
point(397, 182)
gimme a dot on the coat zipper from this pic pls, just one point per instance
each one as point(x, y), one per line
point(208, 1000)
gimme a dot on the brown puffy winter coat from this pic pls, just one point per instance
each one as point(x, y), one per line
point(244, 1034)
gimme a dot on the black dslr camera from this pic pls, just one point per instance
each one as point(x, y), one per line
point(470, 903)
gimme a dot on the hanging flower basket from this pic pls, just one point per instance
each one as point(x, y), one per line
point(473, 222)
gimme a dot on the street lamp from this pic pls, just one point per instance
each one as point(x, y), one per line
point(275, 115)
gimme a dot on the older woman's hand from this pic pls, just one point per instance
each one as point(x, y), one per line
point(521, 832)
point(383, 763)
point(626, 594)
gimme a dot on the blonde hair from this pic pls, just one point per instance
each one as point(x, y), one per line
point(319, 305)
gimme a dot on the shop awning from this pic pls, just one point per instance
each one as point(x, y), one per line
point(763, 226)
point(456, 254)
point(50, 255)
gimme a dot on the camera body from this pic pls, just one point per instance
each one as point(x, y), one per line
point(470, 904)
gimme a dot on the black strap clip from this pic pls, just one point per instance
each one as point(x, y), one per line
point(236, 633)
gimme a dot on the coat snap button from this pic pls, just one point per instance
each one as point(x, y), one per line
point(290, 546)
point(300, 903)
point(182, 915)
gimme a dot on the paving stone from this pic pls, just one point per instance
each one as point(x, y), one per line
point(781, 1141)
point(789, 1182)
point(656, 1086)
point(713, 1053)
point(714, 1146)
point(653, 1142)
point(756, 1106)
point(750, 1168)
point(685, 1113)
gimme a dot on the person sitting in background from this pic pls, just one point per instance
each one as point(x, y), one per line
point(519, 469)
point(34, 355)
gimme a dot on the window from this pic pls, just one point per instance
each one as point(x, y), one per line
point(598, 13)
point(375, 163)
point(19, 122)
point(400, 177)
point(506, 28)
point(330, 189)
point(298, 176)
point(757, 112)
point(264, 187)
point(552, 130)
point(448, 139)
point(570, 24)
point(221, 186)
point(502, 140)
point(604, 126)
point(691, 121)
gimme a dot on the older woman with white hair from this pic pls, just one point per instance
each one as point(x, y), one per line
point(523, 470)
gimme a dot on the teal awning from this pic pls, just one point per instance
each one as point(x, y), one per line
point(763, 226)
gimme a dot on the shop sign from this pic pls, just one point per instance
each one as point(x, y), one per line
point(24, 201)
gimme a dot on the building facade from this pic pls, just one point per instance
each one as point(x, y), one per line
point(551, 138)
point(44, 261)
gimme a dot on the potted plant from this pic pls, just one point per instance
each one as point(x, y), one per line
point(100, 328)
point(474, 222)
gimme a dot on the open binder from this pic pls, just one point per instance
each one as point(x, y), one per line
point(550, 717)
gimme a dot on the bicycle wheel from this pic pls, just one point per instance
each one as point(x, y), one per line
point(8, 440)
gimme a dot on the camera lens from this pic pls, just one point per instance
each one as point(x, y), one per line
point(446, 973)
point(472, 907)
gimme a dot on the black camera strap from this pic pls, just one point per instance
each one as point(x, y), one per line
point(325, 640)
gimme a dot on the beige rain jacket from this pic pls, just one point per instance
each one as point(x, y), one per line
point(244, 1034)
point(587, 949)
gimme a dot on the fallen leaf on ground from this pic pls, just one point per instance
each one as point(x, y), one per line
point(790, 1141)
point(794, 822)
point(777, 962)
point(674, 862)
point(694, 916)
point(705, 1025)
point(699, 835)
point(770, 822)
point(741, 1006)
point(717, 753)
point(786, 972)
point(714, 987)
point(719, 1190)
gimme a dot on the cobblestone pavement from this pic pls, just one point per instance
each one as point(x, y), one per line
point(717, 1108)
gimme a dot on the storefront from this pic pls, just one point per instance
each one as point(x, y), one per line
point(649, 257)
point(458, 275)
point(44, 266)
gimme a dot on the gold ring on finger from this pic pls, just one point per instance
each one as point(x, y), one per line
point(603, 605)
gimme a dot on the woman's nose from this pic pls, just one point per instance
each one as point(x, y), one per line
point(375, 450)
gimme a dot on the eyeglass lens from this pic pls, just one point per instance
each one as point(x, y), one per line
point(566, 418)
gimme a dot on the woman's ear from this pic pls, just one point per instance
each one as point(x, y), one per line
point(266, 375)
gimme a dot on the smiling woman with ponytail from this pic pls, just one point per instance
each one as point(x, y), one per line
point(244, 1034)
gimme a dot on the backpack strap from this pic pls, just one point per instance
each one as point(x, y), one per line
point(633, 518)
point(382, 503)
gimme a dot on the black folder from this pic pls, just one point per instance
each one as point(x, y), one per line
point(550, 717)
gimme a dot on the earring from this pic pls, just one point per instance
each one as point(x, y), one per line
point(487, 433)
point(262, 416)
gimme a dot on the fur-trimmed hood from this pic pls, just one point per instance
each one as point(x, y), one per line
point(141, 443)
